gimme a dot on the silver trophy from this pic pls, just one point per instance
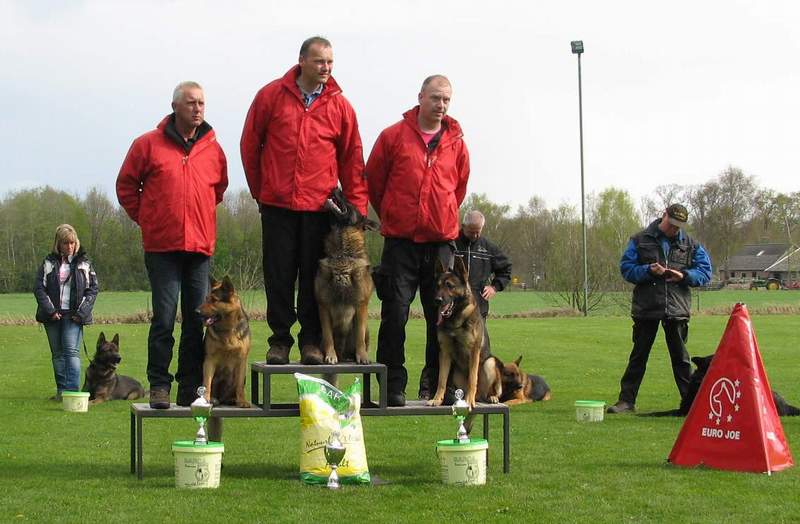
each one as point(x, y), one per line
point(334, 454)
point(201, 410)
point(460, 412)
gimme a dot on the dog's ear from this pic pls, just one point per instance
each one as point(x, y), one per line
point(115, 340)
point(439, 267)
point(519, 359)
point(212, 282)
point(460, 269)
point(370, 225)
point(101, 339)
point(227, 285)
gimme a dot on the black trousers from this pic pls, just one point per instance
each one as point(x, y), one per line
point(406, 266)
point(292, 244)
point(171, 275)
point(644, 334)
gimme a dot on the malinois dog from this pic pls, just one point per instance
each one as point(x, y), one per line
point(343, 285)
point(462, 344)
point(520, 387)
point(102, 381)
point(227, 345)
point(783, 408)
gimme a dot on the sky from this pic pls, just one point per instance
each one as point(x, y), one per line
point(673, 92)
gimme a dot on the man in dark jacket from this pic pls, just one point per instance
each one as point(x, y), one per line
point(488, 268)
point(418, 172)
point(663, 262)
point(170, 184)
point(300, 140)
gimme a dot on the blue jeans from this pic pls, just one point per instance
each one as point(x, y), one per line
point(64, 337)
point(171, 275)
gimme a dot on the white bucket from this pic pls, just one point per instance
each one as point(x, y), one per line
point(75, 401)
point(197, 465)
point(463, 463)
point(589, 410)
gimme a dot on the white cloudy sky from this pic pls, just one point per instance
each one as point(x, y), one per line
point(674, 92)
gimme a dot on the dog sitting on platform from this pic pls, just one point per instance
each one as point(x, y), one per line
point(462, 342)
point(102, 381)
point(343, 284)
point(227, 345)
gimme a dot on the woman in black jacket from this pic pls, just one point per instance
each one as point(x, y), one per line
point(65, 291)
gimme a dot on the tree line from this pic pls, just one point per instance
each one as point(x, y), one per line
point(544, 244)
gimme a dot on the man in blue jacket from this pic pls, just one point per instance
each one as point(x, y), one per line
point(664, 263)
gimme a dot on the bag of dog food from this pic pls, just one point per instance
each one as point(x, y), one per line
point(324, 409)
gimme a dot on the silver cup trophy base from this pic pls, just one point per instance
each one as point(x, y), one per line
point(460, 412)
point(334, 454)
point(201, 410)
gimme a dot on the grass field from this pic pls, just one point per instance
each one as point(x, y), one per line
point(116, 305)
point(64, 467)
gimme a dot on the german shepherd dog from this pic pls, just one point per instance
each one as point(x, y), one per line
point(783, 408)
point(462, 344)
point(227, 345)
point(520, 387)
point(343, 285)
point(102, 381)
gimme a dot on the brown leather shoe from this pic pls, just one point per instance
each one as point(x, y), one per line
point(622, 407)
point(159, 398)
point(311, 355)
point(278, 355)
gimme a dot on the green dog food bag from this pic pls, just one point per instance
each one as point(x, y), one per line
point(323, 409)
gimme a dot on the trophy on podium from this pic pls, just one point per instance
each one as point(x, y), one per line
point(334, 454)
point(201, 410)
point(460, 412)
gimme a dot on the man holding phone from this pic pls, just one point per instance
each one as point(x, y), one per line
point(664, 263)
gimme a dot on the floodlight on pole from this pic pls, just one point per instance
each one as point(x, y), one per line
point(577, 49)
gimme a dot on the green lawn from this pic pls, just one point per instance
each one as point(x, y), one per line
point(116, 305)
point(67, 467)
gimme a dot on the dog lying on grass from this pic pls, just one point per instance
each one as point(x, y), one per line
point(102, 381)
point(520, 387)
point(783, 408)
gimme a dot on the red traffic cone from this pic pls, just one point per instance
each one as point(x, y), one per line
point(733, 424)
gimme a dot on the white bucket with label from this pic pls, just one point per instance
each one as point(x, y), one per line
point(75, 401)
point(197, 465)
point(463, 463)
point(589, 410)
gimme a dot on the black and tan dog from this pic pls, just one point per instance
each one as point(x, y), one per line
point(343, 285)
point(462, 344)
point(227, 345)
point(102, 381)
point(520, 387)
point(783, 408)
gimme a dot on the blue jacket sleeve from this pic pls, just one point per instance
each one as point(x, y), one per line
point(630, 268)
point(699, 274)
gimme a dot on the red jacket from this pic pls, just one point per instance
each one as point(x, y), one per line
point(417, 194)
point(171, 195)
point(293, 157)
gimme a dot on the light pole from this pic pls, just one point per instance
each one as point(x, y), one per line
point(577, 49)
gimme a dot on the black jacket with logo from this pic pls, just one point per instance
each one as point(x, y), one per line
point(486, 264)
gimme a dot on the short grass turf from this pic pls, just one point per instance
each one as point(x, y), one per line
point(69, 467)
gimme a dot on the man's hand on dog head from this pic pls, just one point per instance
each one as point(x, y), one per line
point(488, 292)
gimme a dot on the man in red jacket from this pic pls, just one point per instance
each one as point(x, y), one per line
point(418, 171)
point(170, 184)
point(300, 140)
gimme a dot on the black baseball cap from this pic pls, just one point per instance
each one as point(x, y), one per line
point(678, 216)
